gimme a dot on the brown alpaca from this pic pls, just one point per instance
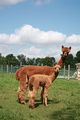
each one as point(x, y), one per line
point(44, 81)
point(24, 73)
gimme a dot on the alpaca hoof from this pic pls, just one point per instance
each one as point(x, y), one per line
point(45, 104)
point(22, 102)
point(31, 106)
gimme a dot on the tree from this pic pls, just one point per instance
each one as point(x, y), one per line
point(21, 59)
point(69, 60)
point(2, 60)
point(0, 55)
point(49, 61)
point(78, 56)
point(11, 60)
point(38, 61)
point(30, 61)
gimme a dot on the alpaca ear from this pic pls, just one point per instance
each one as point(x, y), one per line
point(70, 48)
point(62, 46)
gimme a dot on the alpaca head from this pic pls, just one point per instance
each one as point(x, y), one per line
point(65, 51)
point(57, 68)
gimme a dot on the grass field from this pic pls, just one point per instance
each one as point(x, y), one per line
point(64, 101)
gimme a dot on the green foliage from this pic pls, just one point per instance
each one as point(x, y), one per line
point(69, 60)
point(78, 56)
point(11, 60)
point(63, 101)
point(49, 61)
point(2, 60)
point(22, 59)
point(30, 61)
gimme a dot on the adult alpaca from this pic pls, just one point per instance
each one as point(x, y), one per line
point(24, 73)
point(38, 80)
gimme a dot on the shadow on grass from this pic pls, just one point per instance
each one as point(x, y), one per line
point(69, 113)
point(55, 101)
point(38, 102)
point(1, 107)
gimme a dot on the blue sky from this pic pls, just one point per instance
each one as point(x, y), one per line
point(39, 27)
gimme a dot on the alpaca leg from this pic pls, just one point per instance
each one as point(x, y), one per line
point(32, 98)
point(21, 91)
point(42, 92)
point(27, 81)
point(45, 97)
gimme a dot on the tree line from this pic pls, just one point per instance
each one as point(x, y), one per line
point(21, 59)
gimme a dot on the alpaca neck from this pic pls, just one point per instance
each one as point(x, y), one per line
point(61, 61)
point(53, 76)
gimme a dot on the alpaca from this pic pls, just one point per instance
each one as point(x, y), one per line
point(23, 74)
point(44, 81)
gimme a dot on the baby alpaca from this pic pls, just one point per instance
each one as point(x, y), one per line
point(44, 81)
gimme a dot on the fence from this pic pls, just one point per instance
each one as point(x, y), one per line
point(8, 68)
point(67, 73)
point(64, 73)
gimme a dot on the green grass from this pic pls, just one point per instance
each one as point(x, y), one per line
point(63, 104)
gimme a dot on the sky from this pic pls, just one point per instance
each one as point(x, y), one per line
point(38, 28)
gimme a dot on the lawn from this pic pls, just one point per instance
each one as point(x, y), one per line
point(63, 103)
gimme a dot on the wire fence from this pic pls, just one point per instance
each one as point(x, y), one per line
point(64, 73)
point(8, 68)
point(67, 73)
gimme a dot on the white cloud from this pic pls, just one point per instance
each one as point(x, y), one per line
point(5, 49)
point(40, 2)
point(73, 39)
point(30, 34)
point(34, 42)
point(31, 52)
point(34, 51)
point(4, 38)
point(9, 2)
point(13, 2)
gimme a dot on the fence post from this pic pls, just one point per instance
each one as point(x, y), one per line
point(68, 72)
point(11, 68)
point(7, 68)
point(0, 68)
point(64, 71)
point(20, 63)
